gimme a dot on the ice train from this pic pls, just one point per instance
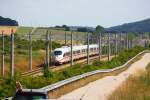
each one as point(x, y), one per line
point(63, 54)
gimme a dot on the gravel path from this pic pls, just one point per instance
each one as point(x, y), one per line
point(102, 88)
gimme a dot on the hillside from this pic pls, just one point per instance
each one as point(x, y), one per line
point(7, 22)
point(139, 26)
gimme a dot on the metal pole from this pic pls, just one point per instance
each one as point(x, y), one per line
point(12, 54)
point(47, 50)
point(116, 45)
point(127, 45)
point(30, 51)
point(106, 50)
point(50, 40)
point(101, 48)
point(88, 48)
point(71, 49)
point(108, 46)
point(120, 44)
point(3, 55)
point(65, 38)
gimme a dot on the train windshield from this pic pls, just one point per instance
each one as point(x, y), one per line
point(57, 53)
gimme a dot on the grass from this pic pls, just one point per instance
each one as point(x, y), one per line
point(82, 82)
point(53, 77)
point(135, 88)
point(21, 54)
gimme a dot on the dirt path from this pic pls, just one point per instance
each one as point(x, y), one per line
point(102, 88)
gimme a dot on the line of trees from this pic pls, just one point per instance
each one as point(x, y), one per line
point(7, 22)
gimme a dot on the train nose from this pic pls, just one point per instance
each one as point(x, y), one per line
point(57, 58)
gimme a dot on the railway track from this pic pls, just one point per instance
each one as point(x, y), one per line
point(39, 71)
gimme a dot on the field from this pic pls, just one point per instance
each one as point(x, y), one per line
point(7, 29)
point(22, 48)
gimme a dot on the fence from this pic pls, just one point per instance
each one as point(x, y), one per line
point(26, 52)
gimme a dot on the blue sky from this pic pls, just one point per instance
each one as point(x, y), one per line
point(75, 12)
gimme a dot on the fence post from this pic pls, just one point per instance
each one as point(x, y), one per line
point(47, 51)
point(100, 46)
point(12, 54)
point(30, 51)
point(3, 55)
point(120, 44)
point(50, 40)
point(71, 49)
point(127, 42)
point(108, 46)
point(65, 38)
point(116, 45)
point(87, 48)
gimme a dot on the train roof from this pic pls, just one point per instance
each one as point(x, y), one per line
point(75, 48)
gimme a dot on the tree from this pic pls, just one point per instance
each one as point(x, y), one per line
point(7, 22)
point(66, 27)
point(99, 29)
point(82, 29)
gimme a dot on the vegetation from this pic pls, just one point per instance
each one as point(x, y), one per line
point(140, 26)
point(23, 44)
point(52, 77)
point(100, 29)
point(7, 22)
point(22, 53)
point(135, 88)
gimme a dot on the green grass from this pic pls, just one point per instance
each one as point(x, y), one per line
point(52, 77)
point(135, 88)
point(24, 30)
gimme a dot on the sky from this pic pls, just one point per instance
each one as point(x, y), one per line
point(106, 13)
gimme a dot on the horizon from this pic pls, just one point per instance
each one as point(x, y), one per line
point(75, 13)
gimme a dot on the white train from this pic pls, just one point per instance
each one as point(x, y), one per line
point(62, 55)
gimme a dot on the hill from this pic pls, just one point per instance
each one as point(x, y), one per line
point(7, 22)
point(139, 26)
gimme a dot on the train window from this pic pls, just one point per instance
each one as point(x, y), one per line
point(78, 51)
point(84, 50)
point(91, 49)
point(74, 52)
point(57, 53)
point(67, 54)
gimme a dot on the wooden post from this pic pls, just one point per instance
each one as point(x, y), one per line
point(30, 51)
point(88, 48)
point(12, 54)
point(47, 50)
point(3, 55)
point(71, 49)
